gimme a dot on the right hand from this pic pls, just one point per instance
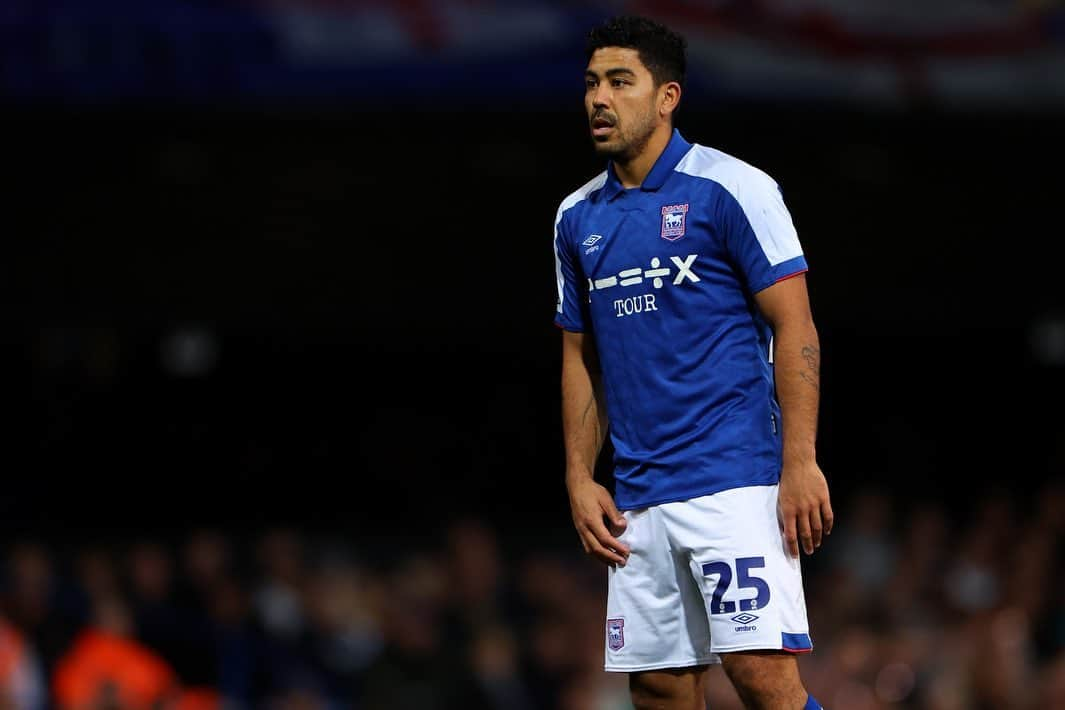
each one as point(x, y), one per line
point(598, 522)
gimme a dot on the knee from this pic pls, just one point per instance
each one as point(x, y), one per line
point(680, 689)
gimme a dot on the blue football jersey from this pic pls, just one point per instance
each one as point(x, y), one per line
point(663, 276)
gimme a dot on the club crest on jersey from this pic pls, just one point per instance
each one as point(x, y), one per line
point(615, 634)
point(673, 218)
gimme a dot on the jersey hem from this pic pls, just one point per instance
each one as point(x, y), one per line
point(697, 494)
point(777, 279)
point(792, 275)
point(614, 668)
point(570, 328)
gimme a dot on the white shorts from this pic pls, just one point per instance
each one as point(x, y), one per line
point(705, 576)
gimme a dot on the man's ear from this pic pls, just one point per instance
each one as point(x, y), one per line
point(669, 98)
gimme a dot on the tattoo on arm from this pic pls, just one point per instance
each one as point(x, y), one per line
point(812, 374)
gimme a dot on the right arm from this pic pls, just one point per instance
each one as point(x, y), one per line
point(584, 425)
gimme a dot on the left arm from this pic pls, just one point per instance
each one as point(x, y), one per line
point(804, 507)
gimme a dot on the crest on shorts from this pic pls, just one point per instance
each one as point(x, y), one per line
point(673, 219)
point(615, 634)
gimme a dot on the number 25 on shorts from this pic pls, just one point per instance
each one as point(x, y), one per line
point(744, 580)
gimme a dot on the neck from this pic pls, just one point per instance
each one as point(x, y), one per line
point(632, 172)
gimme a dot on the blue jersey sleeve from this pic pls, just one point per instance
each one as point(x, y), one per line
point(759, 233)
point(572, 295)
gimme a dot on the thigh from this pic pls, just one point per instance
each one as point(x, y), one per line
point(765, 679)
point(655, 614)
point(751, 587)
point(671, 689)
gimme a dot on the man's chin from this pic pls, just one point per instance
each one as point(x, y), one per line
point(607, 149)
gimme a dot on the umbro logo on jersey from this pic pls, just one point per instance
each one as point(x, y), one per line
point(590, 242)
point(673, 219)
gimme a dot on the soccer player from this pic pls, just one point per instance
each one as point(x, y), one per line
point(686, 326)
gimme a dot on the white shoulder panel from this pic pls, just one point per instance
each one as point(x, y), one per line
point(757, 194)
point(575, 197)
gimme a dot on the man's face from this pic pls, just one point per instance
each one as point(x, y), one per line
point(620, 97)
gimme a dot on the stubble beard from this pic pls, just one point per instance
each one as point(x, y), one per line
point(629, 145)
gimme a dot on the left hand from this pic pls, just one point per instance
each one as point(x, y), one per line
point(804, 507)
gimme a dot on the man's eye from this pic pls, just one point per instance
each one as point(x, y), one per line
point(619, 82)
point(590, 83)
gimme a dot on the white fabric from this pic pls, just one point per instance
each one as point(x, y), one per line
point(572, 199)
point(757, 194)
point(662, 597)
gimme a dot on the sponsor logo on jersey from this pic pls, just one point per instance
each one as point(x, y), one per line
point(657, 275)
point(615, 634)
point(673, 219)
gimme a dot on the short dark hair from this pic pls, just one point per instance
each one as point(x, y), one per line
point(661, 49)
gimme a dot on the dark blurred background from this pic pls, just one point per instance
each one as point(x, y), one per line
point(283, 378)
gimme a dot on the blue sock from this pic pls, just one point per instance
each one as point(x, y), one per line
point(811, 703)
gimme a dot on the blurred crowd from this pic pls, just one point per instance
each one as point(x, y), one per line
point(912, 605)
point(867, 52)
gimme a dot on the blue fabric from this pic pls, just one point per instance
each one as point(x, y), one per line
point(812, 704)
point(664, 276)
point(796, 642)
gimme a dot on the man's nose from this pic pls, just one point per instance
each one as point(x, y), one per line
point(601, 97)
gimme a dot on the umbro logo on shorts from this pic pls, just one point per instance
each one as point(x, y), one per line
point(745, 621)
